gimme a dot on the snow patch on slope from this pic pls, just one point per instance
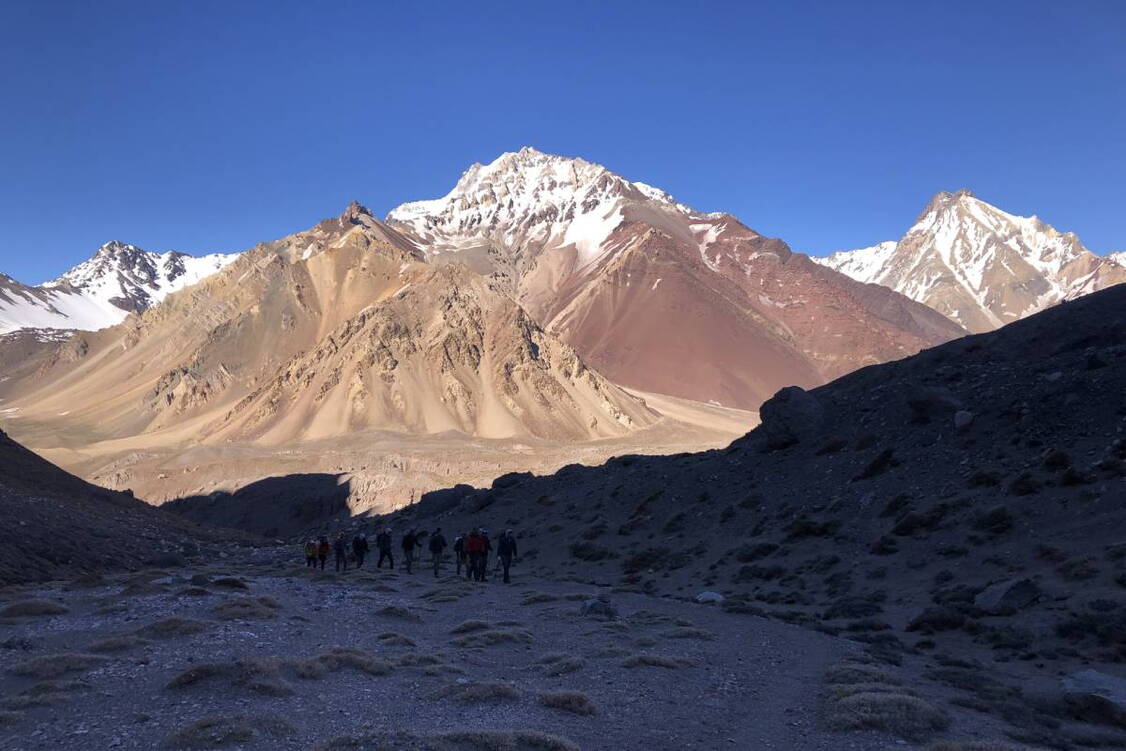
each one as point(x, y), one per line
point(864, 265)
point(100, 292)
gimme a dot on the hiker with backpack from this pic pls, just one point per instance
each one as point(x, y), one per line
point(459, 552)
point(360, 549)
point(475, 552)
point(483, 563)
point(506, 552)
point(437, 545)
point(410, 542)
point(310, 551)
point(383, 542)
point(323, 549)
point(340, 547)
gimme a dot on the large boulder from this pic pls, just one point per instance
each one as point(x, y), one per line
point(1008, 596)
point(1097, 697)
point(791, 416)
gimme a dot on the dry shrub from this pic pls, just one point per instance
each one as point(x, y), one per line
point(170, 628)
point(338, 659)
point(477, 693)
point(417, 661)
point(556, 664)
point(230, 582)
point(462, 740)
point(214, 732)
point(400, 612)
point(247, 609)
point(907, 716)
point(689, 633)
point(969, 746)
point(492, 638)
point(9, 718)
point(848, 689)
point(118, 644)
point(851, 673)
point(192, 592)
point(257, 675)
point(468, 627)
point(569, 701)
point(534, 598)
point(45, 694)
point(30, 608)
point(654, 661)
point(54, 666)
point(391, 639)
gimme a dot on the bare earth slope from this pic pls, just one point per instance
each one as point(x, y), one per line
point(658, 296)
point(321, 334)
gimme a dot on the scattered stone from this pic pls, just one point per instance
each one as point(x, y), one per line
point(1097, 697)
point(1008, 596)
point(599, 607)
point(710, 597)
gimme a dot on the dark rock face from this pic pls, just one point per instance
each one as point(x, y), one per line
point(791, 416)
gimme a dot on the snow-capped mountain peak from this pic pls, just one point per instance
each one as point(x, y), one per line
point(529, 194)
point(117, 280)
point(1118, 257)
point(979, 265)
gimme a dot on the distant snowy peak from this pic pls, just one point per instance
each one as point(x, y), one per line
point(117, 280)
point(865, 264)
point(979, 265)
point(1118, 257)
point(527, 194)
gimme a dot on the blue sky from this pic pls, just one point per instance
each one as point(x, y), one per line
point(209, 126)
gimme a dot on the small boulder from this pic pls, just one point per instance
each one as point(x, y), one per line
point(1096, 697)
point(963, 418)
point(599, 607)
point(1008, 596)
point(710, 597)
point(938, 618)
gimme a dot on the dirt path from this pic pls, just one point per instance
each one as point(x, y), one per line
point(718, 680)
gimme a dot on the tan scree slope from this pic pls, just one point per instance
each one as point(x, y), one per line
point(340, 328)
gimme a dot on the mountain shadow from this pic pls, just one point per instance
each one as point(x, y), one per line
point(271, 507)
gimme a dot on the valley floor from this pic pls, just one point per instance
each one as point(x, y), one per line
point(301, 658)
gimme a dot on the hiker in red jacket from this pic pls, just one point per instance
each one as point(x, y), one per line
point(475, 550)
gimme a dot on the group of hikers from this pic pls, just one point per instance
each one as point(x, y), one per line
point(471, 551)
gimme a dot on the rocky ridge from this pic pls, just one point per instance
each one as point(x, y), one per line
point(979, 265)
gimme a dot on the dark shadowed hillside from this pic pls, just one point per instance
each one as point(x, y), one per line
point(57, 525)
point(970, 500)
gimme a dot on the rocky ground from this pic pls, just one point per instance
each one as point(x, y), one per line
point(264, 654)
